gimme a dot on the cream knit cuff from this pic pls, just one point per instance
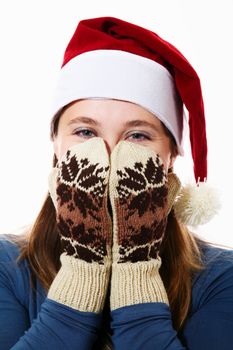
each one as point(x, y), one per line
point(80, 285)
point(135, 283)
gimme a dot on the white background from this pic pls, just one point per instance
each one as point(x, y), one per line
point(33, 38)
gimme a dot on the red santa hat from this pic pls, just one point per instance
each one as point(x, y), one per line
point(111, 58)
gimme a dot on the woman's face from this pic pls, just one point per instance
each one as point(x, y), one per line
point(113, 120)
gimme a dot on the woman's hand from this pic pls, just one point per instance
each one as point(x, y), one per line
point(79, 186)
point(79, 190)
point(141, 200)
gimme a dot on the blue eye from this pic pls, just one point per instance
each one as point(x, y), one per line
point(83, 133)
point(86, 133)
point(141, 135)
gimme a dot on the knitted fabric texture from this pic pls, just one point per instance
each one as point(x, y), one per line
point(174, 188)
point(78, 187)
point(138, 190)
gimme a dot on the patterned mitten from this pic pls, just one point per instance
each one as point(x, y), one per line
point(78, 187)
point(140, 201)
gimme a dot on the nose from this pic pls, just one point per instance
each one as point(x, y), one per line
point(110, 144)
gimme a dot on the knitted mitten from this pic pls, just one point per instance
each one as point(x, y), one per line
point(140, 201)
point(78, 188)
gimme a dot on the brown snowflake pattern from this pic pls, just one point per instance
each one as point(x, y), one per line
point(82, 214)
point(141, 207)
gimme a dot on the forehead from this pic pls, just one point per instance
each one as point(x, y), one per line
point(107, 110)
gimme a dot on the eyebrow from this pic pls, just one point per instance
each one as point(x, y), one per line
point(131, 123)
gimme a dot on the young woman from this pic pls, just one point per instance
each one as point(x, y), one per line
point(108, 262)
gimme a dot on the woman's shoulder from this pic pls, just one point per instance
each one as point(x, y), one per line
point(217, 266)
point(9, 250)
point(215, 280)
point(217, 257)
point(14, 274)
point(10, 244)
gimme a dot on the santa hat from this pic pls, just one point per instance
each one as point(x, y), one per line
point(111, 58)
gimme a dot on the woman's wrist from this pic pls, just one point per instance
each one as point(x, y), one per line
point(135, 283)
point(81, 285)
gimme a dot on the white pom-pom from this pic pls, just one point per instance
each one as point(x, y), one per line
point(196, 204)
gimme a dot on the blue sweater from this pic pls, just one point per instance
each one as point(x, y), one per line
point(32, 321)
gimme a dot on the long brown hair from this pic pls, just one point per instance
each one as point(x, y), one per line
point(180, 252)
